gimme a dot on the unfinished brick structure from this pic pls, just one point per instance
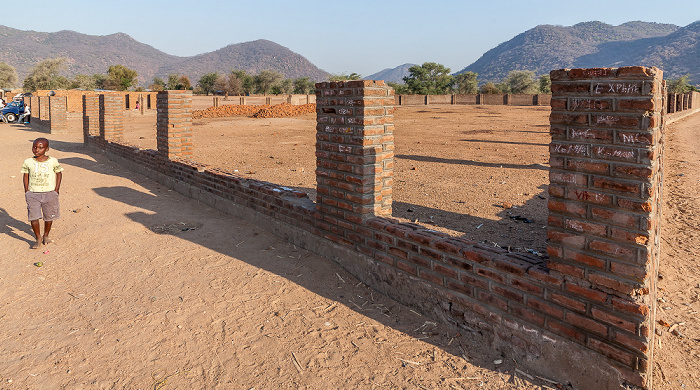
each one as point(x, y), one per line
point(48, 113)
point(585, 317)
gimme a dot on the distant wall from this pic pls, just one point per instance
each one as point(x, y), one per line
point(74, 98)
point(680, 105)
point(482, 98)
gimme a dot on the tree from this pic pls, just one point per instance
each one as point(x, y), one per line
point(399, 89)
point(303, 85)
point(521, 81)
point(177, 82)
point(184, 83)
point(240, 82)
point(157, 85)
point(344, 77)
point(680, 85)
point(45, 76)
point(429, 79)
point(84, 82)
point(207, 82)
point(466, 83)
point(222, 85)
point(8, 75)
point(265, 80)
point(545, 84)
point(285, 86)
point(120, 77)
point(490, 87)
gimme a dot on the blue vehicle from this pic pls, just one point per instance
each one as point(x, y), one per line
point(13, 110)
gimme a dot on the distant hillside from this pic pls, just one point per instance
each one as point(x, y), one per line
point(595, 44)
point(90, 54)
point(395, 75)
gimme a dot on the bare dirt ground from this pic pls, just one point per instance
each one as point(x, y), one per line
point(147, 289)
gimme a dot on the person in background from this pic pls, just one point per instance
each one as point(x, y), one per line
point(25, 114)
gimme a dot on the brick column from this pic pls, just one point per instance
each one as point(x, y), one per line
point(91, 117)
point(112, 117)
point(174, 124)
point(58, 114)
point(604, 208)
point(354, 149)
point(44, 108)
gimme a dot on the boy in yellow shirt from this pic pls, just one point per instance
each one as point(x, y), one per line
point(42, 181)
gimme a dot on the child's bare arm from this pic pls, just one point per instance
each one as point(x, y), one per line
point(59, 176)
point(25, 180)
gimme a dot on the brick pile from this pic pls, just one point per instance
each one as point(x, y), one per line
point(283, 110)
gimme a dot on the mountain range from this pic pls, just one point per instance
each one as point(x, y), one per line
point(674, 49)
point(90, 54)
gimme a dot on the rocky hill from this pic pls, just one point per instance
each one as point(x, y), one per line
point(395, 75)
point(90, 54)
point(595, 44)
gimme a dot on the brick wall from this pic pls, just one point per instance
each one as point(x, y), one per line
point(48, 113)
point(174, 124)
point(91, 116)
point(605, 200)
point(111, 117)
point(74, 102)
point(583, 317)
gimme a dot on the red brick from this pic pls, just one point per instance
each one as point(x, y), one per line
point(586, 323)
point(479, 256)
point(591, 73)
point(612, 352)
point(587, 293)
point(507, 293)
point(430, 276)
point(578, 150)
point(459, 263)
point(636, 308)
point(583, 258)
point(567, 302)
point(544, 276)
point(411, 269)
point(580, 226)
point(567, 269)
point(526, 286)
point(566, 330)
point(527, 315)
point(493, 300)
point(590, 104)
point(617, 186)
point(485, 272)
point(620, 285)
point(471, 280)
point(446, 271)
point(588, 166)
point(615, 217)
point(615, 153)
point(465, 289)
point(568, 119)
point(570, 88)
point(567, 207)
point(632, 342)
point(613, 249)
point(635, 138)
point(565, 238)
point(545, 307)
point(635, 105)
point(632, 171)
point(591, 134)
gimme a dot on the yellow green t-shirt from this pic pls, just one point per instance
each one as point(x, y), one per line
point(42, 174)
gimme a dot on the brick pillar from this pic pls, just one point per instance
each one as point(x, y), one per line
point(91, 117)
point(268, 101)
point(58, 114)
point(44, 108)
point(242, 101)
point(354, 149)
point(174, 124)
point(112, 117)
point(604, 208)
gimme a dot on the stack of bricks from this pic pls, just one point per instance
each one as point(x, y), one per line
point(91, 116)
point(354, 154)
point(174, 124)
point(606, 150)
point(111, 117)
point(58, 116)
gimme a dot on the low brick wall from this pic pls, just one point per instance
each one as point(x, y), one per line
point(492, 99)
point(585, 316)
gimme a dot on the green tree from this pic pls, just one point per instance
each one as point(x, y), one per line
point(490, 87)
point(466, 83)
point(178, 82)
point(680, 85)
point(399, 89)
point(8, 75)
point(521, 81)
point(545, 84)
point(207, 82)
point(44, 75)
point(84, 82)
point(303, 85)
point(157, 85)
point(285, 86)
point(240, 82)
point(429, 79)
point(345, 77)
point(265, 80)
point(121, 77)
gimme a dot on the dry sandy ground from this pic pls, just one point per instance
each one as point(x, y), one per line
point(147, 289)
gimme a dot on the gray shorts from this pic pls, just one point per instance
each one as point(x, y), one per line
point(42, 205)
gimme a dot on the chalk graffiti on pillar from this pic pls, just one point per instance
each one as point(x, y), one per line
point(622, 88)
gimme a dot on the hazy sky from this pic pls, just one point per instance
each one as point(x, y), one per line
point(359, 36)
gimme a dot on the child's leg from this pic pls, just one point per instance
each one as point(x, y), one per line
point(36, 228)
point(47, 229)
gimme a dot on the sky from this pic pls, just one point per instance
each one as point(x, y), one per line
point(360, 36)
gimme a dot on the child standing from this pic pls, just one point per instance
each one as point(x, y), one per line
point(42, 181)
